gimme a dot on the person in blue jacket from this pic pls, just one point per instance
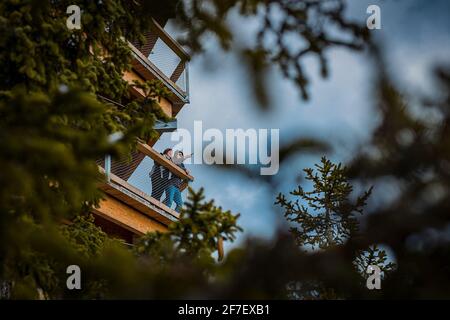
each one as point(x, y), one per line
point(173, 192)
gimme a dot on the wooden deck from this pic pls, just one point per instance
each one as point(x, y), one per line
point(145, 213)
point(126, 218)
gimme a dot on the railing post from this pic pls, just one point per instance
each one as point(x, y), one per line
point(108, 167)
point(186, 77)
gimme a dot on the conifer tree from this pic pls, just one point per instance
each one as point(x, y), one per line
point(198, 233)
point(327, 217)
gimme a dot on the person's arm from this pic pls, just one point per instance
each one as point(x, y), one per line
point(182, 166)
point(187, 157)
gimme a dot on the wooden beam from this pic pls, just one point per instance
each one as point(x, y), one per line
point(178, 71)
point(172, 167)
point(174, 45)
point(131, 77)
point(127, 217)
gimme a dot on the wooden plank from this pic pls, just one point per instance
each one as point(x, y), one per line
point(172, 167)
point(128, 218)
point(166, 106)
point(174, 45)
point(147, 210)
point(178, 71)
point(131, 77)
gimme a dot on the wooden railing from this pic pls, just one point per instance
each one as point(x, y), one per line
point(121, 184)
point(156, 156)
point(148, 68)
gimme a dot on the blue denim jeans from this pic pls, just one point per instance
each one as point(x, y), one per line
point(173, 193)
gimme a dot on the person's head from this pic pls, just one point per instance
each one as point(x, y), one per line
point(168, 152)
point(178, 157)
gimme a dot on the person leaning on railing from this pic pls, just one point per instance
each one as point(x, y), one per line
point(159, 176)
point(173, 192)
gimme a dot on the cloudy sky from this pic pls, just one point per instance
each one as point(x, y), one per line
point(415, 35)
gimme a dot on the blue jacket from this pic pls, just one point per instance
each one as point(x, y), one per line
point(175, 180)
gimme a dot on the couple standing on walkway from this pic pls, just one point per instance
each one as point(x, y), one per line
point(165, 181)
